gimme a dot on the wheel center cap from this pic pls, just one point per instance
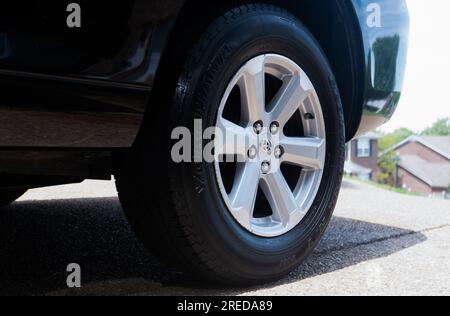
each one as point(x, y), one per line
point(266, 145)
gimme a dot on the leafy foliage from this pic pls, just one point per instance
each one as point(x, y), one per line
point(387, 165)
point(440, 128)
point(387, 162)
point(390, 140)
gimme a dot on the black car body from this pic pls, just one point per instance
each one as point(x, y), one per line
point(89, 87)
point(72, 99)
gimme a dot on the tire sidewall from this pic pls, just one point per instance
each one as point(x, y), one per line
point(204, 82)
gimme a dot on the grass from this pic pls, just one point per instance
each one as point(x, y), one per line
point(384, 187)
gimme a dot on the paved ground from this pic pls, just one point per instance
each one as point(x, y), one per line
point(379, 243)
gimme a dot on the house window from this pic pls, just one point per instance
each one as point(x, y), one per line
point(363, 148)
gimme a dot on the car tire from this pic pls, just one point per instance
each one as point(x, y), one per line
point(7, 198)
point(178, 209)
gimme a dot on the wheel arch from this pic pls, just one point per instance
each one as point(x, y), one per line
point(333, 23)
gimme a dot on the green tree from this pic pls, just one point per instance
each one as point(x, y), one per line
point(387, 164)
point(448, 187)
point(440, 128)
point(390, 140)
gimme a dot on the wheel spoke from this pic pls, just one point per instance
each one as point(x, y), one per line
point(288, 100)
point(243, 195)
point(231, 139)
point(258, 141)
point(304, 152)
point(279, 196)
point(252, 86)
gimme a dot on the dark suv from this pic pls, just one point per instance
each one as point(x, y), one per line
point(91, 89)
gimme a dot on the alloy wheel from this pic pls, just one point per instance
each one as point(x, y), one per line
point(259, 142)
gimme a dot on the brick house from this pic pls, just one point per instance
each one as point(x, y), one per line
point(362, 157)
point(424, 165)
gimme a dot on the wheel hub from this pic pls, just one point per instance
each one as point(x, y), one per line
point(266, 147)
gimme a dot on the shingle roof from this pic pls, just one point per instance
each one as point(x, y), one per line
point(437, 175)
point(439, 144)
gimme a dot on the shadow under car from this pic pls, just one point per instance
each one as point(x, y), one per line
point(38, 239)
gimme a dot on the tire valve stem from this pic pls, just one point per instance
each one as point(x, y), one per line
point(309, 116)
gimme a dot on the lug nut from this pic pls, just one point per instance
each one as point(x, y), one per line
point(274, 127)
point(265, 167)
point(279, 152)
point(252, 152)
point(258, 127)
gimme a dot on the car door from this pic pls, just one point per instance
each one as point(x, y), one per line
point(76, 74)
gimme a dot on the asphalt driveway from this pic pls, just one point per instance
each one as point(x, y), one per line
point(379, 242)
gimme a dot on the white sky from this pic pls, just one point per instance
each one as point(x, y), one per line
point(426, 94)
